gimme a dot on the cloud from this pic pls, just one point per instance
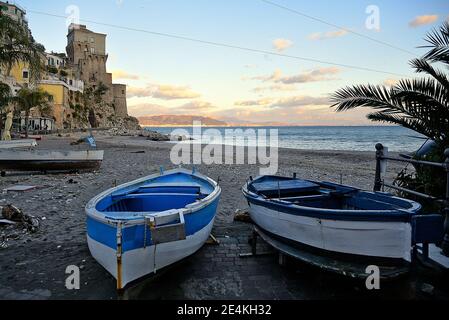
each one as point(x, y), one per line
point(197, 105)
point(275, 87)
point(319, 74)
point(327, 35)
point(300, 101)
point(390, 82)
point(146, 109)
point(288, 102)
point(138, 92)
point(164, 92)
point(282, 44)
point(277, 74)
point(260, 102)
point(423, 20)
point(169, 92)
point(121, 74)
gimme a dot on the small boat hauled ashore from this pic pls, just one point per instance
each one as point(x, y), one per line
point(331, 219)
point(47, 160)
point(11, 144)
point(137, 228)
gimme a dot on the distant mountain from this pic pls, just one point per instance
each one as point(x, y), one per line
point(179, 120)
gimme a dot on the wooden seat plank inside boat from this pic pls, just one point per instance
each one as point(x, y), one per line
point(276, 187)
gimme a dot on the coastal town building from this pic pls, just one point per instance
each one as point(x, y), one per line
point(15, 12)
point(56, 60)
point(66, 77)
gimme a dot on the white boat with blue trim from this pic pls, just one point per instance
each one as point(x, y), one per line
point(331, 219)
point(137, 228)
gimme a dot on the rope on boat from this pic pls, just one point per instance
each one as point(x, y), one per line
point(119, 256)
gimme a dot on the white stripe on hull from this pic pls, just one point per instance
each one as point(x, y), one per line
point(367, 238)
point(140, 262)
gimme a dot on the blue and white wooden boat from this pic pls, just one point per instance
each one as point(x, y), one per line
point(137, 228)
point(333, 219)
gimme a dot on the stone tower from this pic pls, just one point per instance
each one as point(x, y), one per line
point(86, 51)
point(119, 91)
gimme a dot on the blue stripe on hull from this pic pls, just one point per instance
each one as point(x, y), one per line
point(133, 236)
point(343, 215)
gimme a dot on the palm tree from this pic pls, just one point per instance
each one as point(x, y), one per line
point(420, 104)
point(28, 99)
point(5, 95)
point(18, 46)
point(5, 99)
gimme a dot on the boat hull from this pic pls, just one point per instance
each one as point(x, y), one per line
point(50, 161)
point(378, 239)
point(50, 165)
point(18, 144)
point(140, 262)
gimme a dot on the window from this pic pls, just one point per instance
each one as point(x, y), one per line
point(92, 40)
point(92, 50)
point(51, 98)
point(25, 74)
point(123, 91)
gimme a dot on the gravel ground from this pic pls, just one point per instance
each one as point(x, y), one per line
point(32, 266)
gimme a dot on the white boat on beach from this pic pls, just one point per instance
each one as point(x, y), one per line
point(11, 144)
point(48, 160)
point(137, 228)
point(334, 221)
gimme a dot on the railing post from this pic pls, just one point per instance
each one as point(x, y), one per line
point(378, 177)
point(445, 245)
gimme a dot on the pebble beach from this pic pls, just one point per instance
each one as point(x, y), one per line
point(32, 265)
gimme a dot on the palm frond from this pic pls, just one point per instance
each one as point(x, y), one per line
point(410, 123)
point(424, 92)
point(423, 66)
point(439, 45)
point(377, 97)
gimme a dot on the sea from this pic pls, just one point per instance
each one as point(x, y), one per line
point(353, 138)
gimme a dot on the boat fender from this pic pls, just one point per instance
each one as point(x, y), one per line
point(427, 228)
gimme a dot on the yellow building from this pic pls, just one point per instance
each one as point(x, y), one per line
point(62, 96)
point(21, 73)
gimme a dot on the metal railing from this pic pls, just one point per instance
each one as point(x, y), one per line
point(381, 165)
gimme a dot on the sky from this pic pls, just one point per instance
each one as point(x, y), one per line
point(171, 75)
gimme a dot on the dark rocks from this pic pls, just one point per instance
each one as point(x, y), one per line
point(14, 214)
point(242, 216)
point(427, 289)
